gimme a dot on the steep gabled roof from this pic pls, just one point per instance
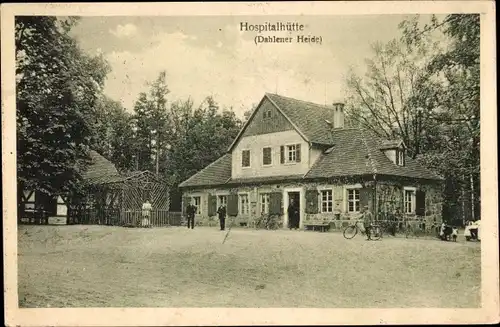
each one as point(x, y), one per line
point(217, 173)
point(351, 151)
point(307, 118)
point(100, 170)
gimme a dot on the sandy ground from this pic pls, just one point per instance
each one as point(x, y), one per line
point(97, 266)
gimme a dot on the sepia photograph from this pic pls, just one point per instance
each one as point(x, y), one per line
point(250, 160)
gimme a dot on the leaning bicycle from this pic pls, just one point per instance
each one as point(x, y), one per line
point(353, 230)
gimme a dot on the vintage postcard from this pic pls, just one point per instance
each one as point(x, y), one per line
point(264, 163)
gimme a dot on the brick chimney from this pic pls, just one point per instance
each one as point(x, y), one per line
point(338, 115)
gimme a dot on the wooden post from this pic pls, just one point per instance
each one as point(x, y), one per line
point(472, 197)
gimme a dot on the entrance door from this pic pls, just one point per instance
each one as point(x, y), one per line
point(295, 197)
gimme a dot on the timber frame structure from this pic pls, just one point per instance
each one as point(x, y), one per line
point(107, 202)
point(107, 197)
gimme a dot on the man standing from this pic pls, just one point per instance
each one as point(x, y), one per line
point(190, 212)
point(367, 222)
point(222, 216)
point(293, 215)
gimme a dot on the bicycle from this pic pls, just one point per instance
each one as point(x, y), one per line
point(353, 229)
point(416, 231)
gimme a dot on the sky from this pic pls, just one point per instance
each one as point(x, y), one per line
point(211, 55)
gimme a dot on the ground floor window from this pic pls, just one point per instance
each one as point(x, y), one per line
point(353, 200)
point(243, 207)
point(264, 203)
point(327, 201)
point(222, 200)
point(197, 203)
point(409, 200)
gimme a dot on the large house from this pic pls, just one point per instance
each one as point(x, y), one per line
point(292, 149)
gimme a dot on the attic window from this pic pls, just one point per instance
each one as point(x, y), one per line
point(400, 157)
point(267, 114)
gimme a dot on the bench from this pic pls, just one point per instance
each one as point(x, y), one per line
point(322, 227)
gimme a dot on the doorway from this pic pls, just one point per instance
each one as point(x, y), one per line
point(294, 197)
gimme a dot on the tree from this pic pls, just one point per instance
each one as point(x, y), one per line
point(202, 136)
point(424, 89)
point(114, 134)
point(381, 101)
point(152, 120)
point(452, 91)
point(57, 87)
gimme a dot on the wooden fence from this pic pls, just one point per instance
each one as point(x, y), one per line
point(115, 217)
point(157, 218)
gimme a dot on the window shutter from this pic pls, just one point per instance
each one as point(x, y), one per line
point(311, 201)
point(245, 158)
point(275, 203)
point(338, 196)
point(364, 197)
point(212, 205)
point(297, 152)
point(282, 154)
point(232, 205)
point(420, 203)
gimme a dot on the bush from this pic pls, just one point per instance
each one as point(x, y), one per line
point(268, 222)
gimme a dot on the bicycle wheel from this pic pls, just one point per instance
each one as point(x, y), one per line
point(350, 232)
point(376, 233)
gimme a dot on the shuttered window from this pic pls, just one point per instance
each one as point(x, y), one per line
point(409, 200)
point(267, 156)
point(222, 200)
point(290, 153)
point(245, 158)
point(197, 203)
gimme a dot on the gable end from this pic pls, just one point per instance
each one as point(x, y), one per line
point(267, 119)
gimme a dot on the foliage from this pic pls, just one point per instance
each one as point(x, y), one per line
point(114, 134)
point(268, 221)
point(175, 139)
point(200, 137)
point(452, 91)
point(151, 123)
point(424, 89)
point(57, 87)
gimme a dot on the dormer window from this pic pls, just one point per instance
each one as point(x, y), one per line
point(395, 151)
point(400, 157)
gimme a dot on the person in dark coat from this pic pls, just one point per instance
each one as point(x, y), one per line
point(222, 216)
point(293, 215)
point(367, 222)
point(190, 212)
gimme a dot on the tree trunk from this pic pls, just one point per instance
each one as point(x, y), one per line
point(157, 160)
point(462, 198)
point(472, 197)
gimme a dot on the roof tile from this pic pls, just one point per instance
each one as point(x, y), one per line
point(353, 152)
